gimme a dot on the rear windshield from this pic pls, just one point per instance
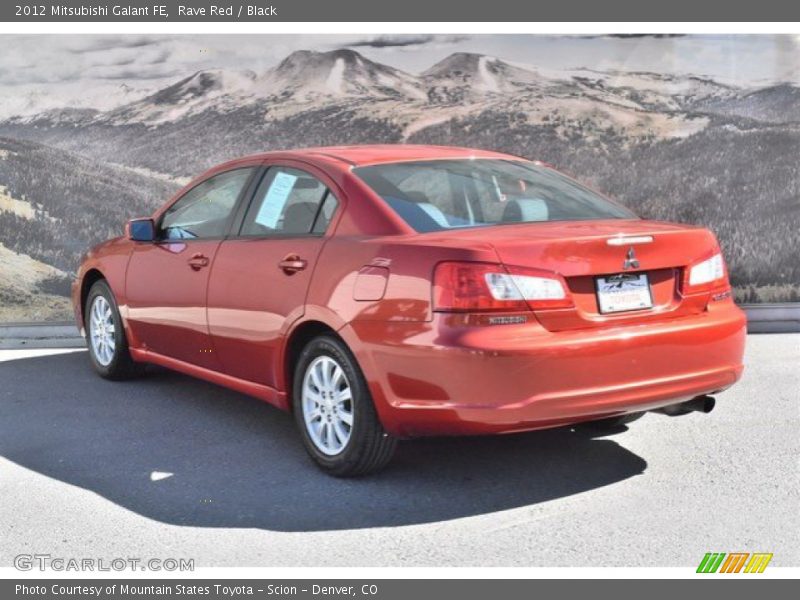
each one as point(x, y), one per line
point(449, 194)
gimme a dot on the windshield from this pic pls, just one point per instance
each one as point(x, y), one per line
point(447, 194)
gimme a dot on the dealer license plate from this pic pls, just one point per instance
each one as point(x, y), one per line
point(626, 291)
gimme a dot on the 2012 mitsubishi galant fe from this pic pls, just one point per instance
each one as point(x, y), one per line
point(383, 292)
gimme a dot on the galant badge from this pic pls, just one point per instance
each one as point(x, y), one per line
point(631, 262)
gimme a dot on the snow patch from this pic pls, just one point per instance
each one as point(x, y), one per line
point(20, 272)
point(153, 174)
point(21, 208)
point(336, 78)
point(488, 80)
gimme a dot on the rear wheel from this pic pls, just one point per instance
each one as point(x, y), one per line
point(334, 411)
point(105, 335)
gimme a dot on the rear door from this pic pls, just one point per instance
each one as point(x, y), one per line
point(166, 281)
point(260, 277)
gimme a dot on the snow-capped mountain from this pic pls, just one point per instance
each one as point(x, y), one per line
point(204, 84)
point(463, 75)
point(214, 89)
point(301, 78)
point(458, 85)
point(652, 91)
point(27, 101)
point(305, 75)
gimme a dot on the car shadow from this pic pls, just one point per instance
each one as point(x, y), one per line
point(186, 452)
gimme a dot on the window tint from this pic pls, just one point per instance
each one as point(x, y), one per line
point(446, 194)
point(289, 201)
point(204, 210)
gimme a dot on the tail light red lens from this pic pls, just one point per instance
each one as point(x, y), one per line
point(709, 274)
point(481, 287)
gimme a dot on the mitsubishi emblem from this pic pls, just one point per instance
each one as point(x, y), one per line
point(631, 262)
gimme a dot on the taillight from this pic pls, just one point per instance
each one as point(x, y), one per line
point(708, 274)
point(477, 287)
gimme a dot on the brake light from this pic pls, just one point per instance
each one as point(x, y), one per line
point(708, 274)
point(477, 287)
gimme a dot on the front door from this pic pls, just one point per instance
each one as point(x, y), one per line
point(260, 278)
point(167, 281)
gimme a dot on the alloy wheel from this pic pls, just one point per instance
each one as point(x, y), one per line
point(102, 331)
point(327, 401)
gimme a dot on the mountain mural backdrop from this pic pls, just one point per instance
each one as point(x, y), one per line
point(679, 148)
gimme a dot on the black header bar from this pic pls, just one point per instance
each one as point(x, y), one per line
point(408, 10)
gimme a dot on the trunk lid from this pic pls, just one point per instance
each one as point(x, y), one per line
point(580, 251)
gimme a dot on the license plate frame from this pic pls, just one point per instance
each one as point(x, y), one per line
point(623, 292)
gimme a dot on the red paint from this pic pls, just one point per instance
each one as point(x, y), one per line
point(224, 310)
point(166, 296)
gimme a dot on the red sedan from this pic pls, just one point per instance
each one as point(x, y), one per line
point(381, 292)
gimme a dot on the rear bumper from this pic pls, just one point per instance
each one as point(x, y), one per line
point(441, 378)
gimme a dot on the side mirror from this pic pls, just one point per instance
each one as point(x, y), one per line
point(141, 230)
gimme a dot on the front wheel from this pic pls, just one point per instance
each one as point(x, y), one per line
point(105, 335)
point(334, 411)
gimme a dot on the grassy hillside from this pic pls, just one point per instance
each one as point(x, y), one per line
point(191, 145)
point(25, 293)
point(58, 203)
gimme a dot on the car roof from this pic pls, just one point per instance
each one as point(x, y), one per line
point(383, 153)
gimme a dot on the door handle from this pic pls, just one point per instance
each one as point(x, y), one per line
point(292, 264)
point(198, 261)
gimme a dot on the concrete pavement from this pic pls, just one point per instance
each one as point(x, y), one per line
point(168, 466)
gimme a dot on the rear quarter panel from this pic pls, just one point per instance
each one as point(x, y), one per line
point(410, 263)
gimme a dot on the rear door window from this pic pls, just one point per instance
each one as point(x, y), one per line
point(289, 202)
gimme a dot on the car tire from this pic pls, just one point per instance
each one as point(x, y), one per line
point(613, 422)
point(105, 335)
point(334, 411)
